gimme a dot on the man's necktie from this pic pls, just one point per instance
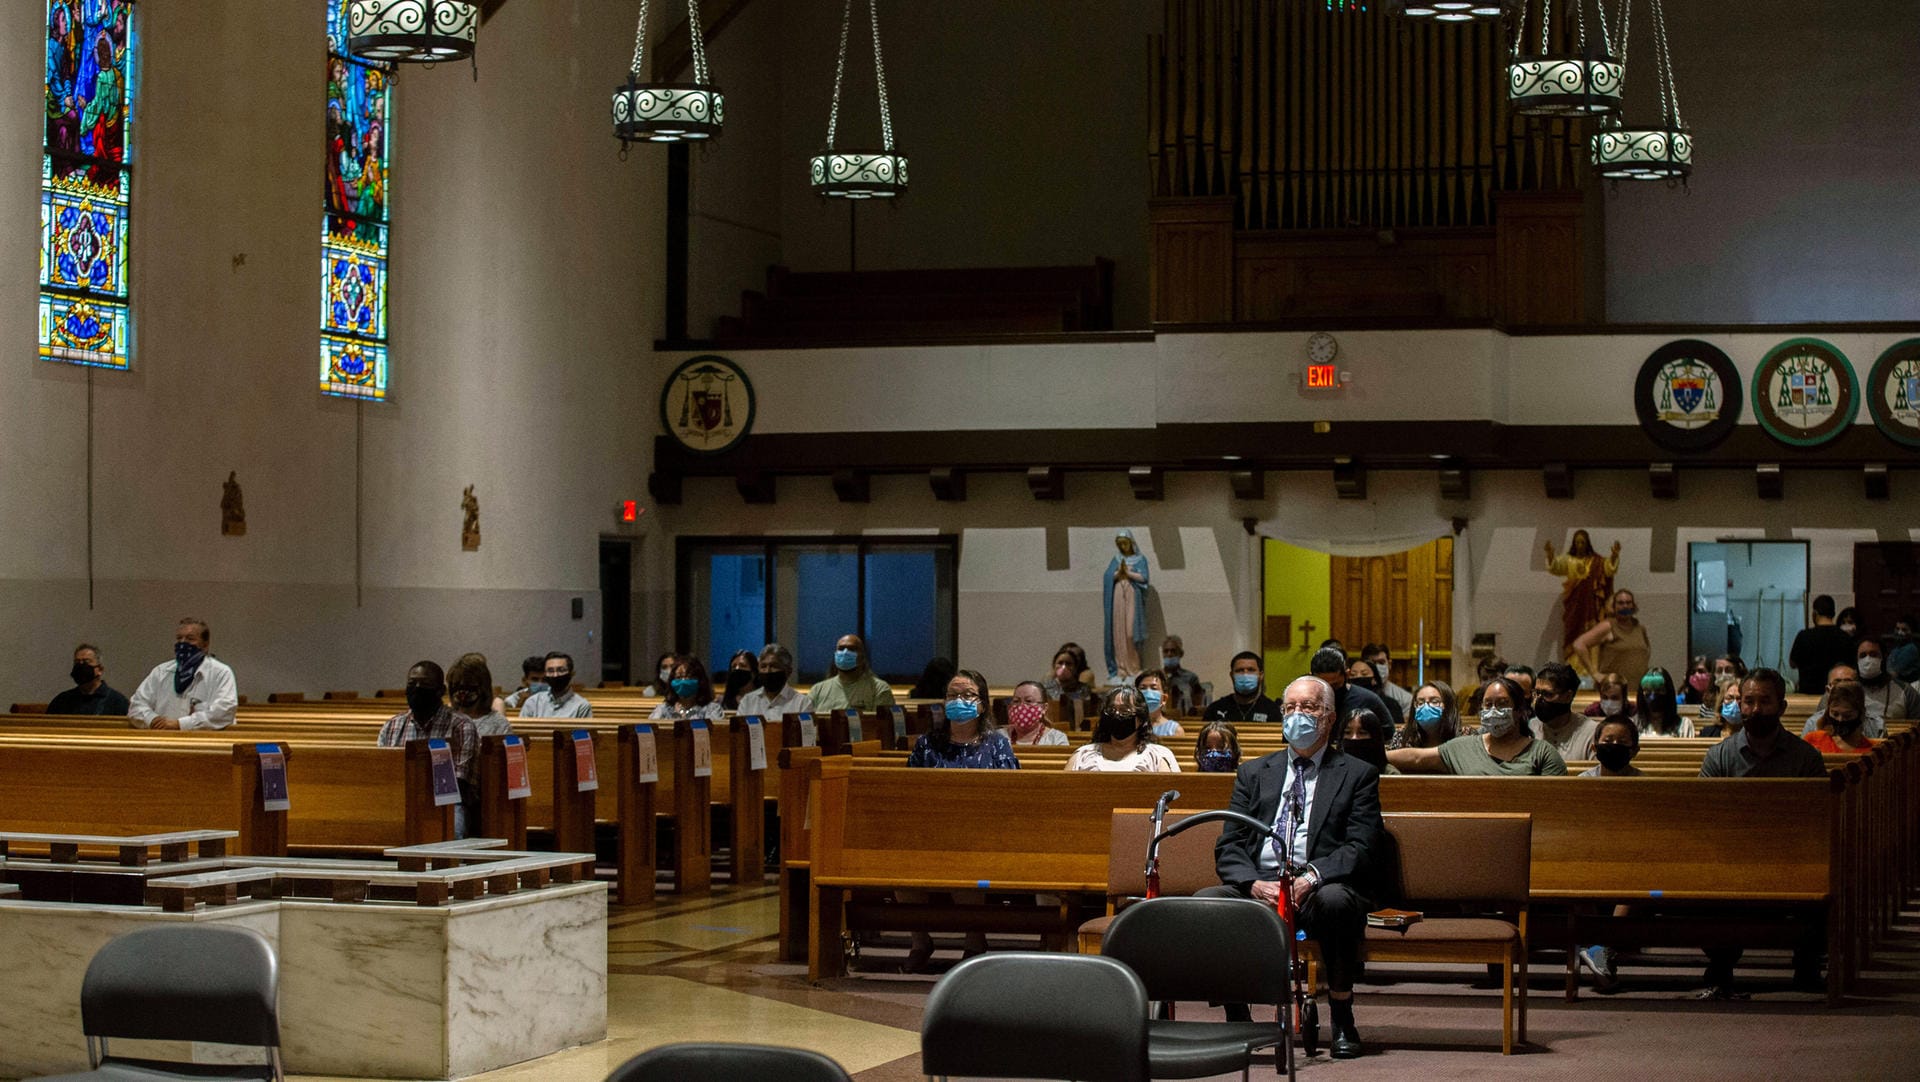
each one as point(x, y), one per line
point(1294, 811)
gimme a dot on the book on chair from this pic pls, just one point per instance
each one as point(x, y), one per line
point(1396, 919)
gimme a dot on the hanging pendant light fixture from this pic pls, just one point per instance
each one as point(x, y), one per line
point(1662, 151)
point(411, 31)
point(668, 112)
point(860, 174)
point(1582, 83)
point(1457, 11)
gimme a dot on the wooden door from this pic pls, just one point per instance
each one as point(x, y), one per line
point(1886, 583)
point(1383, 599)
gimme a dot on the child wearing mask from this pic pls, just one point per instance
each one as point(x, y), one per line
point(1612, 690)
point(1615, 747)
point(1218, 749)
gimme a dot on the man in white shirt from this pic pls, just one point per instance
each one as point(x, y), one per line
point(193, 691)
point(774, 699)
point(559, 700)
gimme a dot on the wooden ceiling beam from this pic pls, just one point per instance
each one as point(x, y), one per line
point(674, 53)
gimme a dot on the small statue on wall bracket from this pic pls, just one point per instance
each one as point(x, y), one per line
point(470, 525)
point(233, 507)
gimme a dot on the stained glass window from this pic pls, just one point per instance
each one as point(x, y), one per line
point(85, 184)
point(353, 242)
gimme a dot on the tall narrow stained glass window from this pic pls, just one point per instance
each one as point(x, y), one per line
point(353, 243)
point(86, 185)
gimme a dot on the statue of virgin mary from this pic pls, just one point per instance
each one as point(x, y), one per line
point(1125, 590)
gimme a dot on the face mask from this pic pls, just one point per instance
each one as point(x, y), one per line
point(1722, 679)
point(1496, 721)
point(1169, 662)
point(1367, 682)
point(1025, 717)
point(424, 702)
point(1119, 726)
point(536, 687)
point(1849, 628)
point(1730, 710)
point(1153, 700)
point(1846, 727)
point(82, 673)
point(1699, 681)
point(1428, 715)
point(188, 655)
point(1763, 725)
point(1614, 756)
point(557, 685)
point(1367, 750)
point(1550, 710)
point(1869, 668)
point(846, 660)
point(1625, 613)
point(1246, 683)
point(684, 687)
point(1215, 761)
point(1380, 671)
point(738, 680)
point(1301, 730)
point(962, 710)
point(1610, 707)
point(773, 682)
point(666, 675)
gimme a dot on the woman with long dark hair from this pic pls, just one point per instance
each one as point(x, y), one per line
point(689, 693)
point(1657, 710)
point(1434, 719)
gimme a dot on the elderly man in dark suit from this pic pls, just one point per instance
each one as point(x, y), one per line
point(1327, 804)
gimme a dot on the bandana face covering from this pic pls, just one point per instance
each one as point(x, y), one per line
point(187, 658)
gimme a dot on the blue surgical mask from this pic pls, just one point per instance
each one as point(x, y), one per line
point(685, 687)
point(1301, 730)
point(1169, 662)
point(1246, 683)
point(1730, 709)
point(1428, 715)
point(1215, 761)
point(846, 660)
point(962, 710)
point(536, 687)
point(1153, 699)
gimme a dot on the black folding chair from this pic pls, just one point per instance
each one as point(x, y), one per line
point(180, 983)
point(1223, 950)
point(1013, 1015)
point(709, 1062)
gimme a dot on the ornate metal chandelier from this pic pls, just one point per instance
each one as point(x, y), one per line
point(1457, 11)
point(411, 31)
point(668, 112)
point(1662, 151)
point(860, 174)
point(1582, 83)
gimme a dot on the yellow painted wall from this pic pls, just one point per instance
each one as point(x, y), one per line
point(1297, 583)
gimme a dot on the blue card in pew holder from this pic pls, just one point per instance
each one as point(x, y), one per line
point(899, 723)
point(809, 732)
point(446, 783)
point(702, 736)
point(855, 733)
point(646, 755)
point(519, 784)
point(273, 778)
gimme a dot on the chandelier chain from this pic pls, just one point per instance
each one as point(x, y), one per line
point(880, 79)
point(640, 43)
point(1670, 93)
point(1606, 37)
point(839, 72)
point(697, 38)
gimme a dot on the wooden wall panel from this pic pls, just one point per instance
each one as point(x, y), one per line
point(1192, 278)
point(1384, 598)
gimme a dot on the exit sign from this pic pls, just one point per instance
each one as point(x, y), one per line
point(1322, 377)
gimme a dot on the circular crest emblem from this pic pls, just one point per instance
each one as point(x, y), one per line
point(1805, 392)
point(1687, 395)
point(707, 405)
point(1893, 393)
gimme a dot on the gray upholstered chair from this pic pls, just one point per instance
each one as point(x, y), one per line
point(181, 982)
point(710, 1062)
point(1224, 950)
point(1037, 1016)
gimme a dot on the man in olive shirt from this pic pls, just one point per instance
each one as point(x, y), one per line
point(89, 694)
point(1247, 701)
point(853, 686)
point(1762, 749)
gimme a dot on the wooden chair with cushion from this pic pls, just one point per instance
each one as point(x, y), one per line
point(1470, 859)
point(1186, 867)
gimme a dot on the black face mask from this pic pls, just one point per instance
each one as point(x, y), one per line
point(738, 680)
point(82, 673)
point(773, 682)
point(1614, 756)
point(1763, 726)
point(424, 702)
point(1847, 727)
point(1550, 710)
point(1367, 750)
point(557, 685)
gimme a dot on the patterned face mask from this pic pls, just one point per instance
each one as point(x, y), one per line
point(1025, 717)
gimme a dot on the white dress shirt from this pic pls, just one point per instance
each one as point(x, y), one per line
point(209, 702)
point(778, 707)
point(1297, 840)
